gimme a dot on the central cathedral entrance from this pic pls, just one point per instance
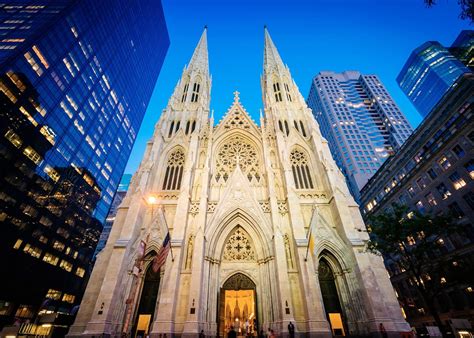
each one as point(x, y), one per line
point(238, 306)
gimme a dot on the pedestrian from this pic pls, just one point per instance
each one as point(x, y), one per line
point(262, 334)
point(291, 330)
point(272, 334)
point(201, 334)
point(382, 330)
point(232, 333)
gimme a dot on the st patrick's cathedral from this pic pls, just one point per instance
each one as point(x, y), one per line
point(262, 226)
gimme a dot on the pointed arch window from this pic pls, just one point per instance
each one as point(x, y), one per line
point(277, 91)
point(193, 127)
point(174, 171)
point(303, 131)
point(296, 125)
point(195, 95)
point(287, 128)
point(177, 126)
point(171, 129)
point(300, 168)
point(280, 125)
point(185, 92)
point(187, 127)
point(288, 95)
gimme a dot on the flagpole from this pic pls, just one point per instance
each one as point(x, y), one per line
point(168, 231)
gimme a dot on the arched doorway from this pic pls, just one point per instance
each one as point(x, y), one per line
point(147, 303)
point(332, 304)
point(237, 304)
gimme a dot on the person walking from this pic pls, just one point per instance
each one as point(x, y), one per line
point(382, 330)
point(291, 330)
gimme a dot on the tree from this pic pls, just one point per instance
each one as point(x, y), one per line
point(467, 8)
point(415, 242)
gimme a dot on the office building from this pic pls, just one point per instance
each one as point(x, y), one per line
point(360, 120)
point(434, 173)
point(75, 80)
point(432, 69)
point(109, 221)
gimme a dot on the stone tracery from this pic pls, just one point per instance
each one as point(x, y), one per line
point(239, 246)
point(237, 151)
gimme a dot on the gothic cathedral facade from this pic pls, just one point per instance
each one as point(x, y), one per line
point(263, 229)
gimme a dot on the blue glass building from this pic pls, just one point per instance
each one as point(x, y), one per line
point(428, 74)
point(75, 81)
point(360, 120)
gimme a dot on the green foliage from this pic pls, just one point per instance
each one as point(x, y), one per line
point(416, 243)
point(467, 8)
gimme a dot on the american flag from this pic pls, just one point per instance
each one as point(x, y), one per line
point(160, 257)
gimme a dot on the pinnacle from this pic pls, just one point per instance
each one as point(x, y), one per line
point(199, 60)
point(271, 57)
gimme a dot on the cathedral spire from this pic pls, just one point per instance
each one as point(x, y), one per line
point(200, 60)
point(271, 57)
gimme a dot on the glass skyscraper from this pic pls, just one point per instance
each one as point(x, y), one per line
point(360, 120)
point(75, 81)
point(431, 70)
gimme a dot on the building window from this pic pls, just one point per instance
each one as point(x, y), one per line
point(188, 124)
point(300, 168)
point(458, 181)
point(53, 294)
point(185, 92)
point(420, 207)
point(68, 298)
point(32, 250)
point(58, 246)
point(411, 191)
point(444, 163)
point(171, 129)
point(280, 125)
point(287, 128)
point(51, 259)
point(469, 198)
point(432, 173)
point(17, 244)
point(80, 272)
point(431, 200)
point(458, 151)
point(421, 183)
point(195, 95)
point(276, 90)
point(288, 96)
point(470, 168)
point(65, 265)
point(174, 171)
point(303, 131)
point(32, 155)
point(443, 191)
point(455, 210)
point(13, 138)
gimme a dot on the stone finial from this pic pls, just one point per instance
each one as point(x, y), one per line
point(236, 96)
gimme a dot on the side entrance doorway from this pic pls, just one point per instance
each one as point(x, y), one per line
point(237, 304)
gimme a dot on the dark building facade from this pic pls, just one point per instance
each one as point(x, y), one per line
point(432, 69)
point(75, 81)
point(109, 221)
point(433, 173)
point(360, 120)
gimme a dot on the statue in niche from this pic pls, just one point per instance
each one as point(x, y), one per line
point(289, 256)
point(189, 252)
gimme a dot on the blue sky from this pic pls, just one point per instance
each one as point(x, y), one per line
point(372, 36)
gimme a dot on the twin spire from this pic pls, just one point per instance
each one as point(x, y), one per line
point(200, 59)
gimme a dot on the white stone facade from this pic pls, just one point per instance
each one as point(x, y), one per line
point(238, 199)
